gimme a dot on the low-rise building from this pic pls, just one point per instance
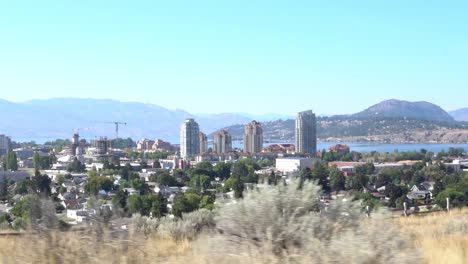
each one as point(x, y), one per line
point(280, 149)
point(292, 164)
point(340, 149)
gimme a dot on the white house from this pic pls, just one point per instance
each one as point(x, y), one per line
point(291, 164)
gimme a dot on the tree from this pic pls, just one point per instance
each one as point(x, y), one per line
point(4, 188)
point(205, 165)
point(60, 179)
point(22, 187)
point(320, 174)
point(156, 164)
point(222, 170)
point(12, 161)
point(305, 174)
point(147, 205)
point(200, 182)
point(41, 183)
point(37, 161)
point(228, 184)
point(356, 182)
point(206, 202)
point(386, 176)
point(143, 165)
point(238, 187)
point(138, 184)
point(182, 204)
point(456, 198)
point(95, 184)
point(394, 192)
point(337, 180)
point(240, 170)
point(193, 201)
point(165, 179)
point(159, 206)
point(273, 179)
point(121, 143)
point(43, 162)
point(76, 166)
point(120, 199)
point(365, 169)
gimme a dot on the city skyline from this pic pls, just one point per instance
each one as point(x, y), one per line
point(339, 57)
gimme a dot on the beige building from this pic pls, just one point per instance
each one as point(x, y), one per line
point(253, 137)
point(203, 143)
point(145, 144)
point(222, 142)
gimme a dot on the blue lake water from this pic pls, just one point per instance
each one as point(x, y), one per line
point(354, 146)
point(369, 147)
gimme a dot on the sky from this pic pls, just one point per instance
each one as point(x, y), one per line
point(335, 57)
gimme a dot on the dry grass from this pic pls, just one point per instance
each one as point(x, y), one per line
point(277, 225)
point(78, 247)
point(442, 237)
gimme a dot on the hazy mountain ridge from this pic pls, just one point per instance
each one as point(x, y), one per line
point(391, 121)
point(460, 114)
point(378, 128)
point(57, 118)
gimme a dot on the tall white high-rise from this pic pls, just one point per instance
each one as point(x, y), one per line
point(306, 133)
point(253, 137)
point(222, 142)
point(189, 139)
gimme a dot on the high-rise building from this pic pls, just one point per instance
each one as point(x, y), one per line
point(203, 143)
point(306, 133)
point(189, 139)
point(5, 144)
point(222, 142)
point(253, 137)
point(102, 145)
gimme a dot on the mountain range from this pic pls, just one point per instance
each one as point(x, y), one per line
point(49, 119)
point(43, 120)
point(460, 114)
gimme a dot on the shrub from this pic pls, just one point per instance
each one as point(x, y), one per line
point(286, 224)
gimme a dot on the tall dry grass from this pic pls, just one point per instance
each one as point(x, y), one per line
point(441, 237)
point(278, 225)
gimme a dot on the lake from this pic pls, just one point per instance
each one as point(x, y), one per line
point(369, 147)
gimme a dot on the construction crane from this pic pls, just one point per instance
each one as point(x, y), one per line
point(117, 124)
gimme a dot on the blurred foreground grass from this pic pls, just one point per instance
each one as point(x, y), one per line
point(441, 238)
point(271, 225)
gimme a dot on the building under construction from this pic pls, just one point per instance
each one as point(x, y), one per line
point(102, 146)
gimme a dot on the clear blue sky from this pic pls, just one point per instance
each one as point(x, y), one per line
point(237, 56)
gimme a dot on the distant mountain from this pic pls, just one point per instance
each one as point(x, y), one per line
point(339, 127)
point(44, 120)
point(412, 110)
point(460, 114)
point(391, 121)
